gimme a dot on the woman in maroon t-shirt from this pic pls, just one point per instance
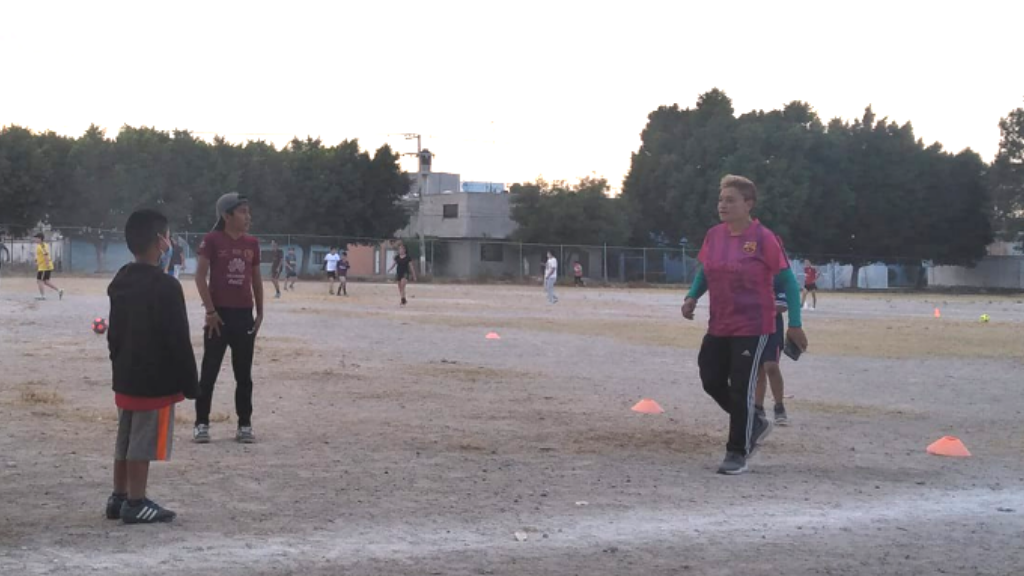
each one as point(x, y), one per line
point(229, 282)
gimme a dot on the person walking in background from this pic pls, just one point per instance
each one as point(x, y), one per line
point(276, 260)
point(739, 260)
point(291, 266)
point(331, 266)
point(551, 277)
point(577, 272)
point(154, 367)
point(403, 271)
point(229, 282)
point(810, 285)
point(44, 268)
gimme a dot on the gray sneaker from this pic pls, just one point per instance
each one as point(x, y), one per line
point(762, 428)
point(780, 415)
point(245, 435)
point(201, 434)
point(734, 463)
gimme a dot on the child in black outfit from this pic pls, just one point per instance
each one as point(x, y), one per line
point(153, 364)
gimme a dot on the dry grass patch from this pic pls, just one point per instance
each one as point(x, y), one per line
point(467, 373)
point(41, 398)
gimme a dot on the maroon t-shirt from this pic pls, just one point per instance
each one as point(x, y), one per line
point(231, 265)
point(739, 271)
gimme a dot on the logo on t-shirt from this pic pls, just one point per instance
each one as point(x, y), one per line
point(236, 272)
point(750, 247)
point(248, 255)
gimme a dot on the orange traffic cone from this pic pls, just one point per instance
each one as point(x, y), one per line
point(647, 406)
point(937, 313)
point(492, 336)
point(949, 446)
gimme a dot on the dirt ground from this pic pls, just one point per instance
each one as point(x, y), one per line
point(401, 441)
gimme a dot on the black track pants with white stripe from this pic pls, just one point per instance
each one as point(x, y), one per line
point(728, 370)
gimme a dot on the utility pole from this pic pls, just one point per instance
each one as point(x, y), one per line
point(424, 173)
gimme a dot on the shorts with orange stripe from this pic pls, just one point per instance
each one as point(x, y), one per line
point(145, 434)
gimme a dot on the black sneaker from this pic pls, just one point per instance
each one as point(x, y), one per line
point(403, 301)
point(734, 463)
point(146, 512)
point(762, 428)
point(781, 419)
point(114, 504)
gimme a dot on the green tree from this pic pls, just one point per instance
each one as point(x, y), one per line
point(672, 185)
point(560, 213)
point(1007, 178)
point(23, 196)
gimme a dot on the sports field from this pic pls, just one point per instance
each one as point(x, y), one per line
point(401, 441)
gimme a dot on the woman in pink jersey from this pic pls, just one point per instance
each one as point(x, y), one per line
point(740, 259)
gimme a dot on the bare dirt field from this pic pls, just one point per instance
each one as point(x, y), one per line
point(401, 441)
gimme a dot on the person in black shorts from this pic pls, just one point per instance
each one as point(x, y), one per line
point(770, 372)
point(291, 269)
point(403, 270)
point(276, 266)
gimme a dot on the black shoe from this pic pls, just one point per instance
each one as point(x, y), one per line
point(781, 419)
point(114, 504)
point(762, 428)
point(403, 301)
point(146, 512)
point(733, 464)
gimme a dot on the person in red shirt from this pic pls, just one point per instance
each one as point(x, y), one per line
point(740, 259)
point(577, 272)
point(229, 282)
point(810, 285)
point(153, 366)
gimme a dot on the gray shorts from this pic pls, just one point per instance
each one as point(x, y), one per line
point(145, 435)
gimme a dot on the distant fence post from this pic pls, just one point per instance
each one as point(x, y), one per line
point(645, 264)
point(561, 260)
point(522, 264)
point(605, 262)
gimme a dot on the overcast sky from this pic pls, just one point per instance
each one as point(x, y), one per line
point(503, 91)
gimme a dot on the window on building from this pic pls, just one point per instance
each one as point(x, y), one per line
point(492, 253)
point(451, 210)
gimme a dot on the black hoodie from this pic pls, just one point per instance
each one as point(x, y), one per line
point(150, 345)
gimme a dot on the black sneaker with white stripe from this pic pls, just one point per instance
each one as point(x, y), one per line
point(145, 512)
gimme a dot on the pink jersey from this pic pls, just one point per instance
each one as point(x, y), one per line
point(739, 271)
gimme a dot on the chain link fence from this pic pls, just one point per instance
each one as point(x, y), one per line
point(94, 251)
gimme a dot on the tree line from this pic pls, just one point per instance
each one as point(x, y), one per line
point(853, 191)
point(94, 182)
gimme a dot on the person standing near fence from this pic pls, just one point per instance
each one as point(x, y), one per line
point(229, 282)
point(577, 272)
point(343, 267)
point(739, 259)
point(810, 285)
point(291, 269)
point(44, 269)
point(331, 266)
point(551, 277)
point(177, 259)
point(276, 259)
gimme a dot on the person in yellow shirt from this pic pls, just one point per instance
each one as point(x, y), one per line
point(44, 267)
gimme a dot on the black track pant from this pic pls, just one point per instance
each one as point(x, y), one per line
point(728, 370)
point(235, 334)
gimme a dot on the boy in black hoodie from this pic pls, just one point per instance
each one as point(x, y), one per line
point(154, 366)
